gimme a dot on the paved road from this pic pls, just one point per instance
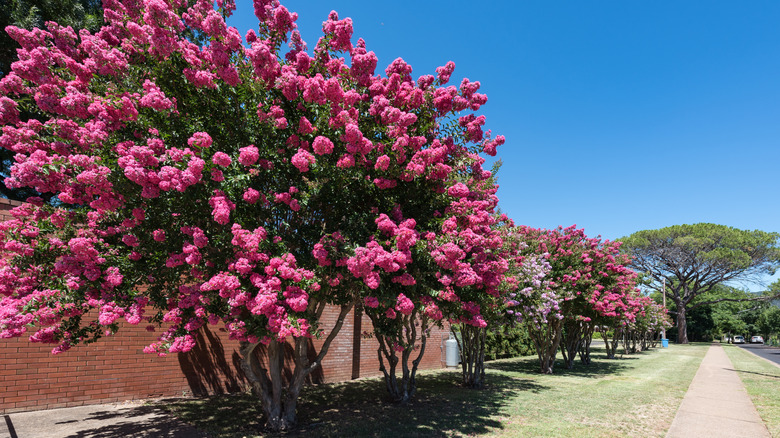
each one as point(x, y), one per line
point(765, 351)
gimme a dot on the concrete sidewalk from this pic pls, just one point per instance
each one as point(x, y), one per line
point(716, 404)
point(130, 419)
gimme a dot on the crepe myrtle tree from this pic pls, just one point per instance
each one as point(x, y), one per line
point(605, 275)
point(463, 267)
point(556, 313)
point(577, 263)
point(536, 303)
point(228, 182)
point(617, 312)
point(635, 330)
point(648, 324)
point(619, 318)
point(473, 284)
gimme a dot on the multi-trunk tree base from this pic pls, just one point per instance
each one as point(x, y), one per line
point(279, 402)
point(402, 390)
point(472, 355)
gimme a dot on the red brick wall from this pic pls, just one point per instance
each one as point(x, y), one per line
point(339, 363)
point(115, 368)
point(5, 208)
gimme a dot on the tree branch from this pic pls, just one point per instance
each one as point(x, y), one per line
point(736, 300)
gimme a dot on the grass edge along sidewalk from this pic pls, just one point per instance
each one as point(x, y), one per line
point(762, 382)
point(634, 396)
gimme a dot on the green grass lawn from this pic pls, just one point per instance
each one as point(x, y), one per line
point(636, 395)
point(762, 382)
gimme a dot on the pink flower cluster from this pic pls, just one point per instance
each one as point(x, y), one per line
point(221, 207)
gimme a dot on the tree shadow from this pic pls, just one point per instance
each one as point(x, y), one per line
point(220, 415)
point(361, 408)
point(206, 368)
point(142, 421)
point(208, 371)
point(598, 367)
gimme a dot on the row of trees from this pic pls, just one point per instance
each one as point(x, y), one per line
point(572, 286)
point(560, 288)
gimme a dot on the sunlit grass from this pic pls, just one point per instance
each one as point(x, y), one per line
point(634, 396)
point(762, 382)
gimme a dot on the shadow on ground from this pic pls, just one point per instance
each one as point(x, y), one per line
point(360, 408)
point(774, 376)
point(599, 367)
point(141, 421)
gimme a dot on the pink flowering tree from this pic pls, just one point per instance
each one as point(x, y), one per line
point(573, 258)
point(643, 331)
point(655, 320)
point(473, 279)
point(232, 182)
point(616, 312)
point(636, 332)
point(599, 269)
point(460, 265)
point(555, 312)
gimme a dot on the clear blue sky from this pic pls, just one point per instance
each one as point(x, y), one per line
point(619, 116)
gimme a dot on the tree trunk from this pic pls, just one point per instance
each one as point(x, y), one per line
point(267, 383)
point(587, 338)
point(625, 335)
point(654, 339)
point(472, 355)
point(402, 391)
point(571, 341)
point(547, 361)
point(630, 341)
point(682, 324)
point(279, 403)
point(547, 338)
point(607, 343)
point(612, 344)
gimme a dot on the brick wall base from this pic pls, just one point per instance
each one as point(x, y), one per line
point(116, 369)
